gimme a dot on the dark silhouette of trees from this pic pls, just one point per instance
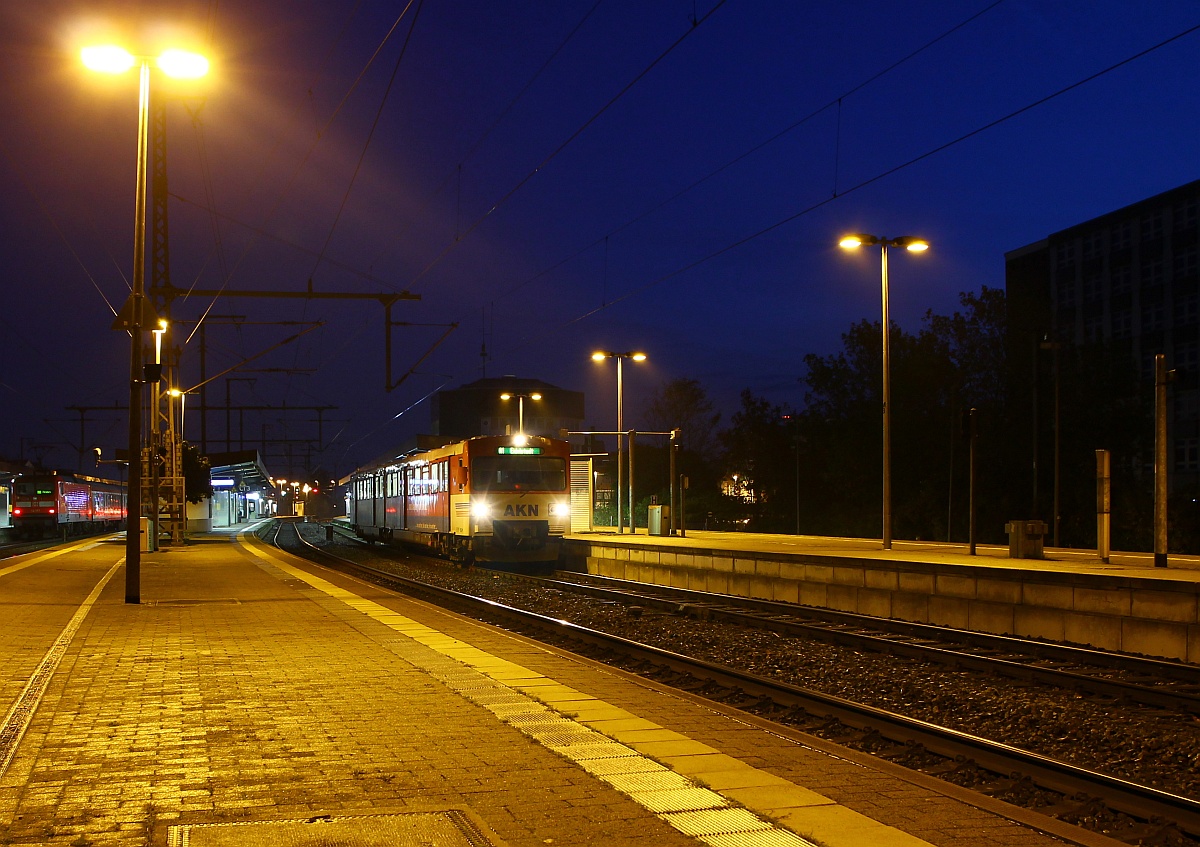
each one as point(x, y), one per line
point(953, 363)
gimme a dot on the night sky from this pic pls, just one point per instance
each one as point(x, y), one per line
point(556, 177)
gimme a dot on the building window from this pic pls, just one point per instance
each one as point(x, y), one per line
point(1122, 280)
point(1187, 454)
point(1152, 271)
point(1093, 287)
point(1187, 404)
point(1187, 309)
point(1152, 226)
point(1122, 323)
point(1184, 215)
point(1064, 255)
point(1185, 263)
point(1066, 291)
point(1122, 236)
point(1152, 317)
point(1093, 328)
point(1187, 354)
point(1093, 245)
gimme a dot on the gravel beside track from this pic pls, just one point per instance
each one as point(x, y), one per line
point(1144, 745)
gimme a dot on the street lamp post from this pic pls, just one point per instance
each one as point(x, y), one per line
point(177, 63)
point(520, 407)
point(914, 245)
point(600, 356)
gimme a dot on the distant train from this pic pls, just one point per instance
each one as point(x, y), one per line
point(497, 500)
point(48, 503)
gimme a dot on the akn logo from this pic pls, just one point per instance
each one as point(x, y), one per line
point(521, 511)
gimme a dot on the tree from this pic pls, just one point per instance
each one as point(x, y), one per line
point(683, 404)
point(952, 364)
point(756, 447)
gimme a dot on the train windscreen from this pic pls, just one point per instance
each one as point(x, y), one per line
point(519, 473)
point(35, 489)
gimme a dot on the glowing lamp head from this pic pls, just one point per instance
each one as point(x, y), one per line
point(535, 396)
point(599, 357)
point(505, 396)
point(481, 510)
point(638, 357)
point(107, 59)
point(520, 440)
point(854, 241)
point(110, 59)
point(916, 245)
point(181, 64)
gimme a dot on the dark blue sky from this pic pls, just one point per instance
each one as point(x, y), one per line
point(524, 174)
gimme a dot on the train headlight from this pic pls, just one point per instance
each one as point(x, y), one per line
point(481, 511)
point(560, 510)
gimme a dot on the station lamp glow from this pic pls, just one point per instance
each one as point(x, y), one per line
point(109, 58)
point(637, 356)
point(913, 245)
point(520, 439)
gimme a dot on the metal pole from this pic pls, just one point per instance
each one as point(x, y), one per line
point(1057, 439)
point(620, 449)
point(683, 484)
point(1103, 504)
point(674, 448)
point(887, 416)
point(520, 414)
point(632, 522)
point(1160, 460)
point(133, 494)
point(971, 480)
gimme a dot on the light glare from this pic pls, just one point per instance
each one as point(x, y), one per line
point(917, 246)
point(107, 59)
point(183, 65)
point(850, 242)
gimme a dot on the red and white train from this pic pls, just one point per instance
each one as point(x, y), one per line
point(47, 503)
point(497, 500)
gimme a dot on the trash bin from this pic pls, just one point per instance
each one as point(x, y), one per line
point(658, 520)
point(1025, 539)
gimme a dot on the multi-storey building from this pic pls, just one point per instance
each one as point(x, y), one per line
point(478, 408)
point(1130, 278)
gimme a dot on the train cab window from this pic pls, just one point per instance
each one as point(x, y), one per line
point(519, 473)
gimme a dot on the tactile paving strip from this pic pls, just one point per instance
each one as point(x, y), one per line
point(477, 676)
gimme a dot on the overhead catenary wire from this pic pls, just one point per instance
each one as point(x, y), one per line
point(651, 283)
point(521, 183)
point(835, 102)
point(456, 174)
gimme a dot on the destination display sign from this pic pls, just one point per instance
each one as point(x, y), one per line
point(519, 451)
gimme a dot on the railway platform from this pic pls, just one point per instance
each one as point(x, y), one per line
point(253, 698)
point(1125, 604)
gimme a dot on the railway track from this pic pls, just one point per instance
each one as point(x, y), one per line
point(1122, 809)
point(1153, 682)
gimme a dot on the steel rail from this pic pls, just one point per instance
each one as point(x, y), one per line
point(851, 628)
point(1138, 801)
